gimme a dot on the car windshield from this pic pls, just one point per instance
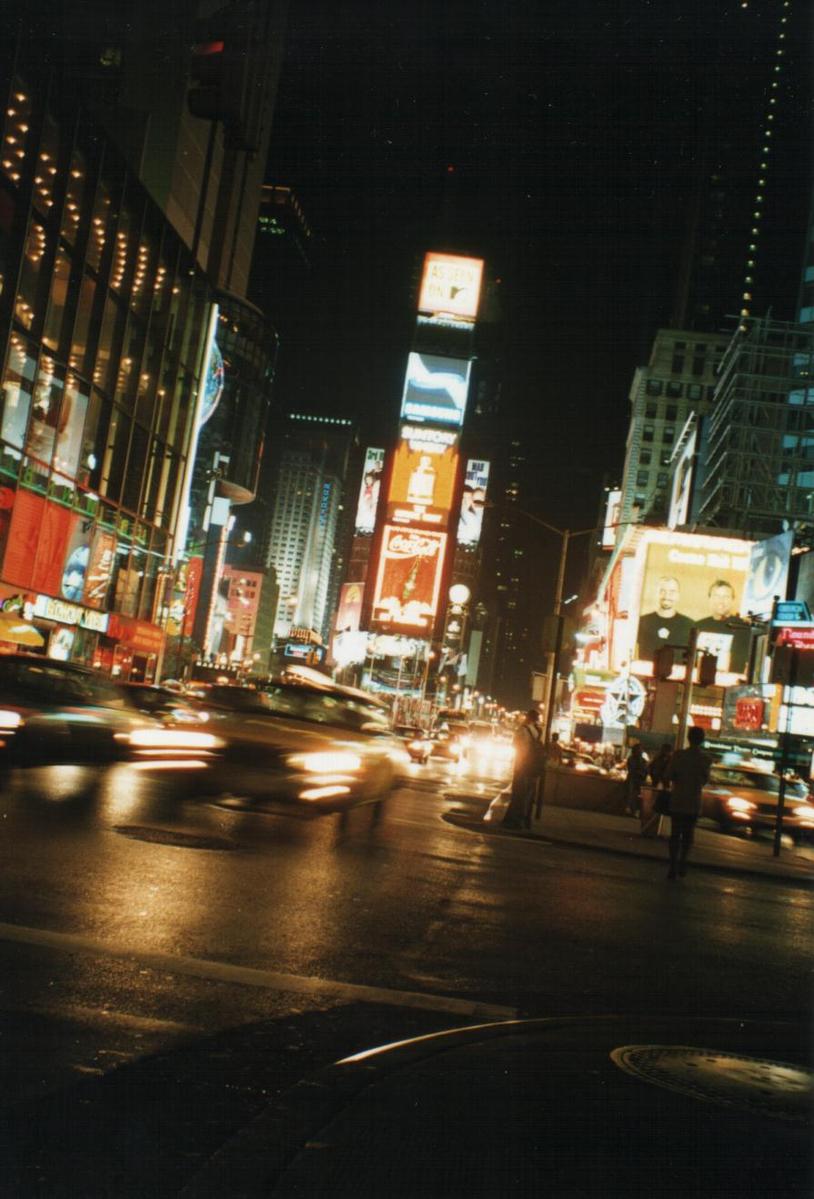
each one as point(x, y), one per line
point(47, 684)
point(758, 781)
point(303, 703)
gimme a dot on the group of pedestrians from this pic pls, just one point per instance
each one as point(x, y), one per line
point(677, 777)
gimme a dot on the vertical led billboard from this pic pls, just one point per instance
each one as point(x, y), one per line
point(369, 491)
point(422, 483)
point(613, 511)
point(450, 284)
point(408, 581)
point(435, 389)
point(472, 502)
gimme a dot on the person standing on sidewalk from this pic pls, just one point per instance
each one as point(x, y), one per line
point(651, 818)
point(529, 757)
point(688, 772)
point(636, 778)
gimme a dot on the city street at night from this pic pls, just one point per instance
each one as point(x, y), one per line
point(406, 599)
point(171, 968)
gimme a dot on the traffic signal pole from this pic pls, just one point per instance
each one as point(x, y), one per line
point(686, 695)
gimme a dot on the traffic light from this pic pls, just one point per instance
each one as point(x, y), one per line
point(707, 668)
point(207, 73)
point(663, 662)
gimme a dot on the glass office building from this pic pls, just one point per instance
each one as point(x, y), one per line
point(103, 323)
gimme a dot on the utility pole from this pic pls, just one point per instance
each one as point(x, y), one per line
point(686, 695)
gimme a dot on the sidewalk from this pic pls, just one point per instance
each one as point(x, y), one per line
point(620, 835)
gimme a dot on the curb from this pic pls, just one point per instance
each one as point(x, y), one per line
point(461, 821)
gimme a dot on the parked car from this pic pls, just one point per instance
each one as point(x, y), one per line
point(291, 745)
point(417, 743)
point(54, 713)
point(746, 796)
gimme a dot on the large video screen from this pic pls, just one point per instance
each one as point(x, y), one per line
point(422, 484)
point(451, 284)
point(688, 581)
point(369, 491)
point(408, 579)
point(435, 389)
point(473, 499)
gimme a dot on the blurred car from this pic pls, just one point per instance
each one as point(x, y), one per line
point(746, 796)
point(582, 763)
point(313, 748)
point(448, 744)
point(166, 705)
point(417, 743)
point(54, 713)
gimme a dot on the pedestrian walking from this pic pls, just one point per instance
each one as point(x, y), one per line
point(529, 761)
point(688, 772)
point(636, 778)
point(654, 803)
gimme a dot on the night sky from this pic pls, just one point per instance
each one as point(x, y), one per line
point(572, 131)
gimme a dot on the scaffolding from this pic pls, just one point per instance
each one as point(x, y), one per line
point(758, 453)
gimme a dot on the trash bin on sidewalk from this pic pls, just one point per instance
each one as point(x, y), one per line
point(650, 820)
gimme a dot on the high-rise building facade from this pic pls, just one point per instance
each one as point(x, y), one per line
point(757, 455)
point(304, 512)
point(678, 379)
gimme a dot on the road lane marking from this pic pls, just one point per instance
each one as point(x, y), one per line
point(249, 976)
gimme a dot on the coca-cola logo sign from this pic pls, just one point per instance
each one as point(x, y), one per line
point(412, 545)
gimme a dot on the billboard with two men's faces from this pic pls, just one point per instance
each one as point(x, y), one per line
point(682, 581)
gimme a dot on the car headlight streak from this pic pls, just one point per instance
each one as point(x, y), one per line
point(327, 762)
point(736, 804)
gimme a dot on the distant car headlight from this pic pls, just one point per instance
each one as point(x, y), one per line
point(331, 762)
point(173, 739)
point(9, 719)
point(804, 810)
point(736, 804)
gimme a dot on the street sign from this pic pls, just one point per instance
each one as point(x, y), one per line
point(791, 612)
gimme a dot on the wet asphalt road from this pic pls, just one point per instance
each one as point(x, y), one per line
point(167, 967)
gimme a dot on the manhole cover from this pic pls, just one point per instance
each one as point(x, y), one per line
point(165, 836)
point(772, 1088)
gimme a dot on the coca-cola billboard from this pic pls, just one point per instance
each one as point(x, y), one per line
point(408, 580)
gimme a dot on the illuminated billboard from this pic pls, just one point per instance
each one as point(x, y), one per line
point(472, 501)
point(408, 580)
point(686, 581)
point(349, 609)
point(422, 483)
point(683, 480)
point(435, 389)
point(450, 284)
point(768, 575)
point(369, 491)
point(613, 510)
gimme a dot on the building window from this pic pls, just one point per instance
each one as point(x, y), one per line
point(698, 366)
point(671, 413)
point(662, 480)
point(651, 411)
point(694, 391)
point(677, 367)
point(674, 390)
point(653, 387)
point(647, 433)
point(668, 433)
point(665, 458)
point(644, 457)
point(642, 478)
